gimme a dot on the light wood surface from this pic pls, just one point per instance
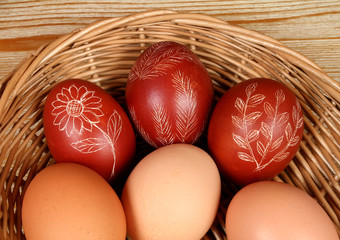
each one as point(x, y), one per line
point(311, 28)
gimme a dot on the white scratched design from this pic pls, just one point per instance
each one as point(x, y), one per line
point(140, 128)
point(246, 118)
point(186, 105)
point(162, 124)
point(157, 61)
point(77, 110)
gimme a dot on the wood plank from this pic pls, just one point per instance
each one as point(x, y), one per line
point(309, 27)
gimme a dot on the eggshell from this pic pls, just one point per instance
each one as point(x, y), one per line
point(270, 210)
point(169, 94)
point(173, 193)
point(86, 125)
point(67, 201)
point(255, 130)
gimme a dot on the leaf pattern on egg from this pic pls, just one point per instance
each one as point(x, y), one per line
point(245, 119)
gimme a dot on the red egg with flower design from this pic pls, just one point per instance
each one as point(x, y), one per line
point(169, 94)
point(255, 130)
point(84, 124)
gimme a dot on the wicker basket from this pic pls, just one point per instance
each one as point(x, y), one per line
point(104, 53)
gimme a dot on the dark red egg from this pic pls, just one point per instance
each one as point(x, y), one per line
point(169, 94)
point(84, 124)
point(255, 130)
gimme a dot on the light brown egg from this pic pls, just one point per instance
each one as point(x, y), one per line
point(172, 194)
point(270, 210)
point(67, 201)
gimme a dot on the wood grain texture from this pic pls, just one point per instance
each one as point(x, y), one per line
point(309, 27)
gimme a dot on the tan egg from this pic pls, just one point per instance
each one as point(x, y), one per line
point(270, 210)
point(172, 194)
point(67, 201)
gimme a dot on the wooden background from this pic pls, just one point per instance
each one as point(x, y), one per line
point(309, 27)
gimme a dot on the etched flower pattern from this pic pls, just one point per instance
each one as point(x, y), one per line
point(77, 110)
point(258, 153)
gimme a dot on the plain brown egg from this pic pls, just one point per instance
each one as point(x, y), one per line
point(67, 201)
point(172, 194)
point(271, 210)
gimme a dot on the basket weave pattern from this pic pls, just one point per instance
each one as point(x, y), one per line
point(104, 53)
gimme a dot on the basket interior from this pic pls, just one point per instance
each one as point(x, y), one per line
point(104, 53)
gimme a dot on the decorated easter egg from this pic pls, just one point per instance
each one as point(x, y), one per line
point(169, 94)
point(84, 124)
point(255, 130)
